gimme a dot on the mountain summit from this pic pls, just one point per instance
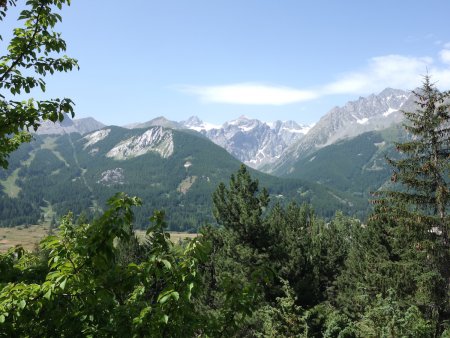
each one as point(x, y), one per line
point(67, 126)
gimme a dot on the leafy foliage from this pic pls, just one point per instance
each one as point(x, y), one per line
point(32, 50)
point(278, 255)
point(298, 276)
point(86, 288)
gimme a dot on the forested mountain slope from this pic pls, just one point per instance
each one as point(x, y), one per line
point(355, 166)
point(169, 169)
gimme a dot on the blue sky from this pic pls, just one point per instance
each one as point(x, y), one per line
point(264, 59)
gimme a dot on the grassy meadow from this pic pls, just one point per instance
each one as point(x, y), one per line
point(30, 236)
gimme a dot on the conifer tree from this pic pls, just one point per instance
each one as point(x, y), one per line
point(240, 208)
point(424, 167)
point(416, 214)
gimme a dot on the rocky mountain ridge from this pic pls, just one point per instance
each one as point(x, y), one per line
point(81, 126)
point(252, 141)
point(375, 112)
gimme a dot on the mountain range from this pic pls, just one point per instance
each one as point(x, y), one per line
point(251, 141)
point(275, 147)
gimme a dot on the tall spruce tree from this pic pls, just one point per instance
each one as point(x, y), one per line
point(419, 206)
point(424, 167)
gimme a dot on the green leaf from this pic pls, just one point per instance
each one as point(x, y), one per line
point(190, 287)
point(22, 304)
point(164, 299)
point(165, 318)
point(48, 294)
point(166, 263)
point(165, 296)
point(2, 318)
point(175, 295)
point(63, 284)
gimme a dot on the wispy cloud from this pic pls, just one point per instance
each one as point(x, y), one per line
point(251, 94)
point(395, 71)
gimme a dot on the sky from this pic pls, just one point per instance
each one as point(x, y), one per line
point(265, 59)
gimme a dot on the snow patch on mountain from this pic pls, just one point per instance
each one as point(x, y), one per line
point(303, 130)
point(389, 111)
point(380, 144)
point(362, 121)
point(196, 124)
point(158, 140)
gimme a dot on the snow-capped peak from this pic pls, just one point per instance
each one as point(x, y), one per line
point(196, 124)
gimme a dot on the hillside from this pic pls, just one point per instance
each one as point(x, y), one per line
point(356, 166)
point(169, 169)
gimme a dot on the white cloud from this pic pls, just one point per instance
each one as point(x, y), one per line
point(395, 71)
point(251, 94)
point(445, 55)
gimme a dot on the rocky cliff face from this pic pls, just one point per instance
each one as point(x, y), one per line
point(157, 139)
point(95, 137)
